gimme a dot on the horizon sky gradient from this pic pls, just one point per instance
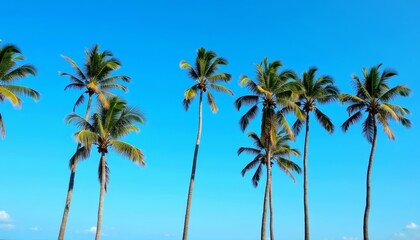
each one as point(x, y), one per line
point(150, 38)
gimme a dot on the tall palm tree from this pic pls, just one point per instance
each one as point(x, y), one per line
point(205, 76)
point(373, 96)
point(104, 130)
point(9, 72)
point(95, 79)
point(271, 89)
point(280, 155)
point(314, 90)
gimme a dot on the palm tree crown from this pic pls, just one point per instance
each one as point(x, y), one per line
point(205, 77)
point(9, 72)
point(271, 89)
point(315, 90)
point(373, 96)
point(96, 76)
point(280, 154)
point(107, 126)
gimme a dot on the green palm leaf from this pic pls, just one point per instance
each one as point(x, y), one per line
point(128, 151)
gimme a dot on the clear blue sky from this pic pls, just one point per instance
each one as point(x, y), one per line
point(150, 38)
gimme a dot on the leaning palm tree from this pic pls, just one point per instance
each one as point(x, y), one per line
point(373, 96)
point(94, 79)
point(104, 130)
point(280, 155)
point(205, 76)
point(314, 90)
point(271, 90)
point(9, 73)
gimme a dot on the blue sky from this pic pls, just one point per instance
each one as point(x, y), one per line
point(151, 38)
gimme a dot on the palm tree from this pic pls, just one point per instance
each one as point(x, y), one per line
point(106, 127)
point(314, 90)
point(373, 96)
point(272, 90)
point(280, 155)
point(9, 72)
point(95, 80)
point(205, 77)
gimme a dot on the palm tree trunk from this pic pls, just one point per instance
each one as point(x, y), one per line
point(369, 171)
point(267, 195)
point(191, 187)
point(71, 183)
point(101, 197)
point(305, 179)
point(271, 211)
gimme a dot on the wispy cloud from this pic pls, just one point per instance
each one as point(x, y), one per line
point(91, 230)
point(35, 229)
point(4, 216)
point(7, 226)
point(412, 226)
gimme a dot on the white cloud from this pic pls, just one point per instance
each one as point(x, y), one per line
point(4, 216)
point(36, 229)
point(412, 226)
point(92, 230)
point(7, 226)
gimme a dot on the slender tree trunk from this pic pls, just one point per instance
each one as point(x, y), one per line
point(369, 172)
point(271, 210)
point(266, 196)
point(71, 183)
point(305, 179)
point(191, 187)
point(101, 197)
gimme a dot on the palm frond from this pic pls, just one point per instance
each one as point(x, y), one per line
point(368, 127)
point(18, 73)
point(114, 86)
point(324, 120)
point(26, 91)
point(284, 124)
point(355, 107)
point(246, 100)
point(399, 90)
point(79, 121)
point(257, 175)
point(387, 129)
point(80, 154)
point(211, 101)
point(77, 86)
point(251, 85)
point(128, 151)
point(257, 140)
point(221, 88)
point(350, 98)
point(79, 101)
point(86, 137)
point(247, 117)
point(9, 95)
point(191, 72)
point(75, 67)
point(248, 150)
point(351, 120)
point(297, 126)
point(224, 77)
point(191, 92)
